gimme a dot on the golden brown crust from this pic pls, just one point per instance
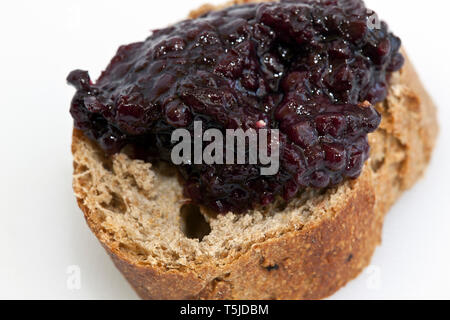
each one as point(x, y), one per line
point(316, 260)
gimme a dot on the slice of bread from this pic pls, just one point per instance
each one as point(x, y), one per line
point(168, 249)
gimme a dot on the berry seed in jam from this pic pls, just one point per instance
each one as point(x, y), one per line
point(312, 69)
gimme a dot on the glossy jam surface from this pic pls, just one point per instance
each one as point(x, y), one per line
point(312, 69)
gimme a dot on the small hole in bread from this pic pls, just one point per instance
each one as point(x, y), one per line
point(117, 204)
point(193, 223)
point(377, 164)
point(79, 168)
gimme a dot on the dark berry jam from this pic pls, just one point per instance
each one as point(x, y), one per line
point(312, 69)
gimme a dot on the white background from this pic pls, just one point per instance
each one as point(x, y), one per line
point(42, 232)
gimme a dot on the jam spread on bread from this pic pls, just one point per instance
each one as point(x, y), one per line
point(311, 69)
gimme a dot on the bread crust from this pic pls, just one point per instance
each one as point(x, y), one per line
point(316, 260)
